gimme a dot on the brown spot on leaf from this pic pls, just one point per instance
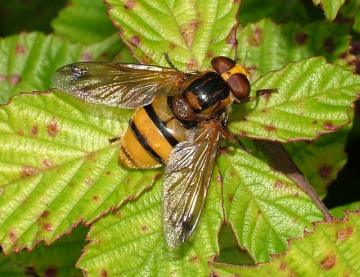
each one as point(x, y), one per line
point(172, 45)
point(194, 259)
point(325, 171)
point(210, 54)
point(301, 38)
point(344, 233)
point(243, 133)
point(278, 184)
point(104, 273)
point(96, 198)
point(144, 228)
point(135, 41)
point(230, 198)
point(329, 126)
point(14, 79)
point(53, 128)
point(89, 181)
point(231, 38)
point(129, 4)
point(20, 49)
point(329, 45)
point(191, 64)
point(344, 55)
point(20, 132)
point(47, 163)
point(28, 171)
point(282, 266)
point(256, 37)
point(34, 130)
point(86, 56)
point(314, 122)
point(12, 236)
point(45, 214)
point(50, 272)
point(144, 59)
point(47, 227)
point(188, 31)
point(328, 262)
point(30, 271)
point(270, 128)
point(108, 172)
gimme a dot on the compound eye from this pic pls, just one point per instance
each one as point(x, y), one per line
point(222, 64)
point(240, 86)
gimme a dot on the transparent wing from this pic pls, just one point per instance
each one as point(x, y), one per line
point(187, 178)
point(117, 84)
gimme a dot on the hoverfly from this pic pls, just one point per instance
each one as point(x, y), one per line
point(179, 120)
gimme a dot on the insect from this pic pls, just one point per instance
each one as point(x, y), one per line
point(179, 120)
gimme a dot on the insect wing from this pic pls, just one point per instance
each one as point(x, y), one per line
point(187, 178)
point(117, 84)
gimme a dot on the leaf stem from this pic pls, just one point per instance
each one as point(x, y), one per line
point(280, 161)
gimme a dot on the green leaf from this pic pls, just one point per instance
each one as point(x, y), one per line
point(132, 242)
point(312, 98)
point(8, 267)
point(339, 211)
point(264, 207)
point(190, 32)
point(332, 250)
point(321, 160)
point(58, 167)
point(230, 250)
point(350, 8)
point(356, 25)
point(330, 7)
point(55, 260)
point(278, 10)
point(266, 46)
point(84, 21)
point(18, 16)
point(28, 61)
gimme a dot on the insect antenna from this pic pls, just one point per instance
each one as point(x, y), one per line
point(245, 60)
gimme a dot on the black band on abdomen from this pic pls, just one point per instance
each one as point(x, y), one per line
point(144, 143)
point(160, 125)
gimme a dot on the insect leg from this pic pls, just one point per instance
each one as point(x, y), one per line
point(112, 140)
point(167, 58)
point(261, 93)
point(227, 134)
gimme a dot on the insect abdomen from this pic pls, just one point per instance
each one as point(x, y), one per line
point(152, 133)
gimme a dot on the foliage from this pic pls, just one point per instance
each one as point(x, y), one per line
point(58, 168)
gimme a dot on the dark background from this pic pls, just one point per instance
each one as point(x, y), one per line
point(35, 15)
